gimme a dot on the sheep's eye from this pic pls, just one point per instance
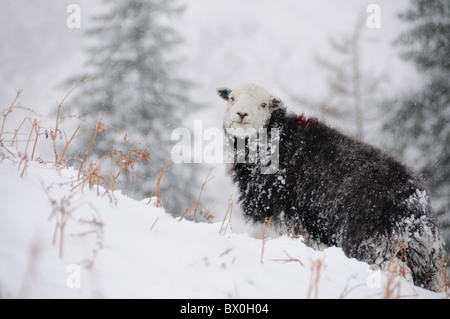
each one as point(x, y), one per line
point(263, 105)
point(232, 99)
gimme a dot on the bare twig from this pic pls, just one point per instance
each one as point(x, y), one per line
point(226, 252)
point(24, 161)
point(36, 129)
point(93, 176)
point(184, 214)
point(316, 268)
point(29, 136)
point(67, 144)
point(290, 259)
point(97, 130)
point(401, 248)
point(443, 268)
point(61, 211)
point(207, 180)
point(392, 288)
point(157, 187)
point(291, 233)
point(154, 223)
point(264, 238)
point(58, 113)
point(127, 161)
point(18, 92)
point(229, 211)
point(16, 132)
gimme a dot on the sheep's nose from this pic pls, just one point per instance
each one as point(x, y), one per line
point(242, 115)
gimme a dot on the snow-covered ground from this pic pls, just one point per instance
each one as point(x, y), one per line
point(118, 247)
point(60, 242)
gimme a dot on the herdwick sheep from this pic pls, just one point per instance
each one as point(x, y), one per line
point(333, 189)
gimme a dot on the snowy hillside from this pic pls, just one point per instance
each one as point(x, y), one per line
point(62, 242)
point(59, 240)
point(225, 43)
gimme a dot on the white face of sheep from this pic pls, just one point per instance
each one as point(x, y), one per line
point(249, 108)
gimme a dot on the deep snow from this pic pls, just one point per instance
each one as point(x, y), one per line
point(140, 251)
point(116, 247)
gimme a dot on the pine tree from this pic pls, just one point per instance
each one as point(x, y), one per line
point(350, 90)
point(135, 86)
point(421, 119)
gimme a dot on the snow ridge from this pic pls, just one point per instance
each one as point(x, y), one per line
point(116, 247)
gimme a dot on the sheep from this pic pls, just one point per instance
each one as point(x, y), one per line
point(332, 188)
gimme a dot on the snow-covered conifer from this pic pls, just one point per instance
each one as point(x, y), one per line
point(135, 84)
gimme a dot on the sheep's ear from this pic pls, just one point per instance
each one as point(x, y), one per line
point(224, 93)
point(275, 102)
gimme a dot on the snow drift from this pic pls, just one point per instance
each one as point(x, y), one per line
point(60, 242)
